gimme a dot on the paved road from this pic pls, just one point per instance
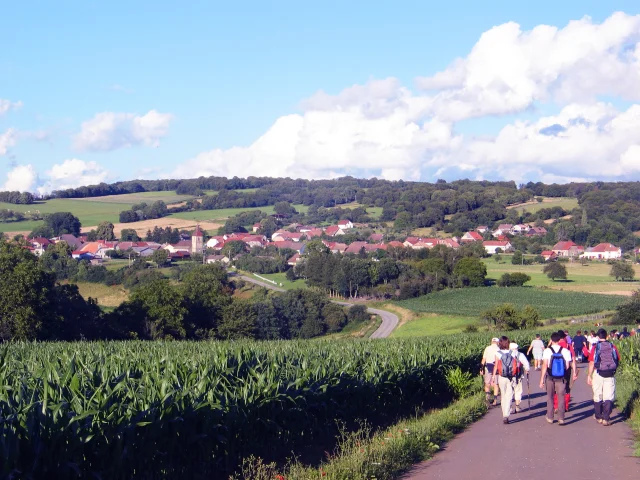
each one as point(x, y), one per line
point(530, 448)
point(389, 320)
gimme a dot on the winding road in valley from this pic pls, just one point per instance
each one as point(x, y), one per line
point(389, 320)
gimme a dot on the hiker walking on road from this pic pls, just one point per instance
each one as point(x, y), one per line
point(603, 364)
point(555, 363)
point(579, 341)
point(518, 380)
point(537, 345)
point(507, 369)
point(486, 370)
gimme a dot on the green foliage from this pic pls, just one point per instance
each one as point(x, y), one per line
point(160, 257)
point(358, 314)
point(507, 317)
point(516, 279)
point(460, 382)
point(555, 270)
point(89, 409)
point(105, 232)
point(129, 235)
point(470, 272)
point(403, 222)
point(162, 308)
point(517, 258)
point(622, 271)
point(629, 311)
point(62, 223)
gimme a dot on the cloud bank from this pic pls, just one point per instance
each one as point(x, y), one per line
point(109, 131)
point(384, 129)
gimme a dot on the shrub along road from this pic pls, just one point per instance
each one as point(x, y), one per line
point(389, 320)
point(529, 447)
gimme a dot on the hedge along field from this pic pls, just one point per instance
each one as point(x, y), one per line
point(550, 303)
point(194, 410)
point(224, 213)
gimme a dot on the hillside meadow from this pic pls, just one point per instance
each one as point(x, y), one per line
point(592, 277)
point(471, 302)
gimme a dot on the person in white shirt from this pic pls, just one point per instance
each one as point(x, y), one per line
point(518, 381)
point(486, 370)
point(537, 345)
point(555, 384)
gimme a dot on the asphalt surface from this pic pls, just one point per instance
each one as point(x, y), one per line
point(389, 320)
point(530, 448)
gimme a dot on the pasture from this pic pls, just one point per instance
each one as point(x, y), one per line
point(592, 277)
point(567, 203)
point(471, 302)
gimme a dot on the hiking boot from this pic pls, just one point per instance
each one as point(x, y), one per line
point(518, 409)
point(606, 423)
point(549, 420)
point(599, 420)
point(505, 420)
point(561, 422)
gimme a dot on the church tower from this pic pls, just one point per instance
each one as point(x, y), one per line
point(197, 241)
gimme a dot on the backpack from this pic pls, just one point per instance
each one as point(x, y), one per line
point(606, 359)
point(557, 365)
point(511, 366)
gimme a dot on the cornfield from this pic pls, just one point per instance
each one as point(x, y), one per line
point(194, 410)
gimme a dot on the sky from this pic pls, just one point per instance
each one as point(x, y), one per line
point(94, 91)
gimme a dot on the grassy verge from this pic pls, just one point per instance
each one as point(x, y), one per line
point(385, 454)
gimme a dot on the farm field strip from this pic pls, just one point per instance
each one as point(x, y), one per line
point(567, 203)
point(471, 302)
point(70, 401)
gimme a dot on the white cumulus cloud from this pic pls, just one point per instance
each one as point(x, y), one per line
point(22, 178)
point(509, 69)
point(6, 105)
point(383, 129)
point(109, 131)
point(73, 173)
point(7, 140)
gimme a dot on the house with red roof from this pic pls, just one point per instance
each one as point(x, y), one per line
point(333, 231)
point(314, 232)
point(471, 237)
point(491, 246)
point(335, 247)
point(567, 249)
point(603, 251)
point(410, 242)
point(395, 244)
point(297, 246)
point(345, 224)
point(355, 247)
point(256, 227)
point(294, 260)
point(255, 240)
point(548, 255)
point(182, 246)
point(39, 245)
point(536, 232)
point(482, 229)
point(376, 237)
point(502, 229)
point(449, 242)
point(216, 242)
point(100, 248)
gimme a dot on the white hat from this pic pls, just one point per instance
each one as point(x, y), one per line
point(513, 346)
point(495, 339)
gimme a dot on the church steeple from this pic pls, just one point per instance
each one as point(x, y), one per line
point(197, 241)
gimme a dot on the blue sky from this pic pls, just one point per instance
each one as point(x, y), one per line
point(220, 75)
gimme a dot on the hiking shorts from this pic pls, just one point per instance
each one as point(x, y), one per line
point(537, 354)
point(487, 377)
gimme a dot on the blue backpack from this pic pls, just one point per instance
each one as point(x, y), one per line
point(557, 365)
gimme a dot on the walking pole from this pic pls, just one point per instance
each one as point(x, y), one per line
point(528, 391)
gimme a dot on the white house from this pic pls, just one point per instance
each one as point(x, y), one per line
point(492, 245)
point(603, 251)
point(345, 224)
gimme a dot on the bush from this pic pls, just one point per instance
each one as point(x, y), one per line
point(516, 279)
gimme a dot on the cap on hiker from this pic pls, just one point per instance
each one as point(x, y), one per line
point(513, 346)
point(495, 339)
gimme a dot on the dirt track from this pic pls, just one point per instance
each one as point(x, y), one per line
point(530, 448)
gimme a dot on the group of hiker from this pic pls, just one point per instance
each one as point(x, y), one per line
point(505, 368)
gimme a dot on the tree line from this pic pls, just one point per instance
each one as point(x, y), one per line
point(201, 305)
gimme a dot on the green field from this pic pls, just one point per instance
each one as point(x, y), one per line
point(224, 213)
point(89, 211)
point(430, 325)
point(471, 302)
point(567, 203)
point(373, 212)
point(281, 278)
point(167, 197)
point(592, 277)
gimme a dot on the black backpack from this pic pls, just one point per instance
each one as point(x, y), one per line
point(606, 359)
